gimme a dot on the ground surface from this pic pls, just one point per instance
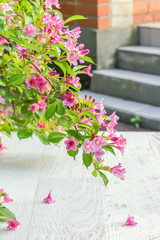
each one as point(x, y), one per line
point(127, 127)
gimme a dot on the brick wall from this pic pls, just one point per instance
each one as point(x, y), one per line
point(105, 14)
point(146, 11)
point(97, 12)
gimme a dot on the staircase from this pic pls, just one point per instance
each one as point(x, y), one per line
point(133, 87)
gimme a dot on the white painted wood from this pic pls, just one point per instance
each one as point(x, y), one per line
point(84, 208)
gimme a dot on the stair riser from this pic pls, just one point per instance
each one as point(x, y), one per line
point(149, 36)
point(145, 122)
point(126, 89)
point(138, 62)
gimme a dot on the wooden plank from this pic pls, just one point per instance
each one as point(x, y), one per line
point(84, 208)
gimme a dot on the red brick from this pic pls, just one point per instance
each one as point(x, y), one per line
point(92, 10)
point(137, 19)
point(102, 10)
point(86, 9)
point(157, 16)
point(103, 23)
point(100, 23)
point(147, 18)
point(140, 7)
point(154, 6)
point(68, 9)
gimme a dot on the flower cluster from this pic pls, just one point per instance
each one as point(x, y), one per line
point(40, 65)
point(5, 212)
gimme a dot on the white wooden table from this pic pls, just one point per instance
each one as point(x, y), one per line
point(84, 208)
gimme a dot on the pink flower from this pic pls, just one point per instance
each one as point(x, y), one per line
point(46, 18)
point(2, 147)
point(2, 100)
point(71, 144)
point(34, 107)
point(57, 23)
point(21, 50)
point(41, 125)
point(12, 3)
point(53, 73)
point(5, 7)
point(30, 30)
point(70, 45)
point(74, 81)
point(32, 82)
point(42, 105)
point(130, 221)
point(99, 142)
point(42, 37)
point(3, 41)
point(7, 199)
point(72, 58)
point(75, 33)
point(120, 143)
point(98, 154)
point(118, 172)
point(55, 38)
point(113, 117)
point(9, 17)
point(50, 3)
point(49, 199)
point(68, 98)
point(12, 225)
point(87, 71)
point(88, 146)
point(4, 111)
point(42, 84)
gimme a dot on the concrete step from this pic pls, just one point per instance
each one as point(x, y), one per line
point(139, 59)
point(149, 34)
point(150, 115)
point(129, 85)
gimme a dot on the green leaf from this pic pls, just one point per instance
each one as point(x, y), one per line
point(50, 111)
point(87, 159)
point(45, 56)
point(5, 212)
point(56, 137)
point(94, 173)
point(84, 126)
point(78, 67)
point(26, 113)
point(59, 14)
point(6, 128)
point(109, 148)
point(43, 138)
point(60, 108)
point(1, 25)
point(72, 153)
point(73, 18)
point(90, 115)
point(22, 134)
point(62, 122)
point(104, 178)
point(75, 134)
point(87, 59)
point(33, 47)
point(68, 68)
point(16, 79)
point(61, 65)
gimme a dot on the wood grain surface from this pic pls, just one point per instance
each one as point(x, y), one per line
point(84, 208)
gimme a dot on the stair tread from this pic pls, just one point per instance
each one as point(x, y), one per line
point(130, 75)
point(150, 25)
point(141, 49)
point(127, 106)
